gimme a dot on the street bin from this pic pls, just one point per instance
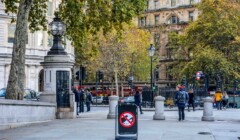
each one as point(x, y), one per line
point(126, 122)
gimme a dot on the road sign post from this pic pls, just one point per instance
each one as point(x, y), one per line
point(126, 122)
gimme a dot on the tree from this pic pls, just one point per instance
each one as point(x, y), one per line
point(211, 43)
point(80, 17)
point(32, 11)
point(114, 54)
point(84, 18)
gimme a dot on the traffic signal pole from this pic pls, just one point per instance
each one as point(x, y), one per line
point(132, 76)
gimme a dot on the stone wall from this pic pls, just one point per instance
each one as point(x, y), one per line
point(14, 113)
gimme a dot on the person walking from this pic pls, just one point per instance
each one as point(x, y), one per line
point(138, 101)
point(218, 99)
point(76, 93)
point(181, 99)
point(191, 99)
point(88, 99)
point(225, 99)
point(81, 100)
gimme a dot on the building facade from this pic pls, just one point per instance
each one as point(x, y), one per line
point(38, 44)
point(161, 17)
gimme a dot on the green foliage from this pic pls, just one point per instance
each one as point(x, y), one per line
point(211, 43)
point(91, 16)
point(114, 52)
point(37, 17)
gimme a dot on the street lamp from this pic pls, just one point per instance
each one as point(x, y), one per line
point(151, 51)
point(57, 28)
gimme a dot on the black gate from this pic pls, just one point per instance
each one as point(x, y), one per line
point(147, 97)
point(62, 88)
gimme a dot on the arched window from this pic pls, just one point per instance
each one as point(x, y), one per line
point(173, 20)
point(173, 3)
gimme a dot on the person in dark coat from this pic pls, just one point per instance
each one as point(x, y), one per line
point(191, 99)
point(76, 93)
point(181, 99)
point(88, 99)
point(138, 101)
point(81, 100)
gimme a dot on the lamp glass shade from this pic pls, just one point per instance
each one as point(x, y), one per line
point(151, 50)
point(57, 27)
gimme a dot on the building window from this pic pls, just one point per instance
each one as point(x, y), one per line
point(50, 9)
point(156, 39)
point(157, 19)
point(173, 20)
point(39, 38)
point(143, 21)
point(11, 32)
point(191, 16)
point(191, 1)
point(173, 2)
point(155, 4)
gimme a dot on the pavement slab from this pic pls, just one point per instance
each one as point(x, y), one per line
point(94, 125)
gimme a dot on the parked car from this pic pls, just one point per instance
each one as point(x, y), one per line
point(198, 101)
point(97, 99)
point(29, 94)
point(105, 100)
point(129, 99)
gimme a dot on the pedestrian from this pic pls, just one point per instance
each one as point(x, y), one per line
point(181, 99)
point(191, 99)
point(177, 89)
point(88, 99)
point(225, 99)
point(81, 100)
point(76, 93)
point(218, 99)
point(138, 100)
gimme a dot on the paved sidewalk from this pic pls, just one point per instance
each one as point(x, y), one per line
point(94, 126)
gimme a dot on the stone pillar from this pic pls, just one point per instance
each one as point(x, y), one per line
point(159, 108)
point(113, 101)
point(208, 110)
point(52, 65)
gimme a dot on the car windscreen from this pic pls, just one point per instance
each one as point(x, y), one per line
point(2, 92)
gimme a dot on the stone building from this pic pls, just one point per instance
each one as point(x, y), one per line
point(161, 17)
point(38, 44)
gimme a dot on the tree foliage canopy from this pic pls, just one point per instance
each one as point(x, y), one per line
point(90, 16)
point(114, 52)
point(211, 43)
point(82, 17)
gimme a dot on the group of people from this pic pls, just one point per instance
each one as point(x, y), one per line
point(82, 97)
point(221, 99)
point(183, 99)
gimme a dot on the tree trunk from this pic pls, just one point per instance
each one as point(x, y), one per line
point(16, 80)
point(122, 93)
point(116, 82)
point(111, 88)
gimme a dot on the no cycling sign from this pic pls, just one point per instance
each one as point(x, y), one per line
point(127, 119)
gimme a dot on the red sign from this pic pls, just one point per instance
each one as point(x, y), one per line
point(127, 119)
point(198, 75)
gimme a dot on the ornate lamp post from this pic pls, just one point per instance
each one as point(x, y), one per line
point(151, 51)
point(58, 69)
point(57, 29)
